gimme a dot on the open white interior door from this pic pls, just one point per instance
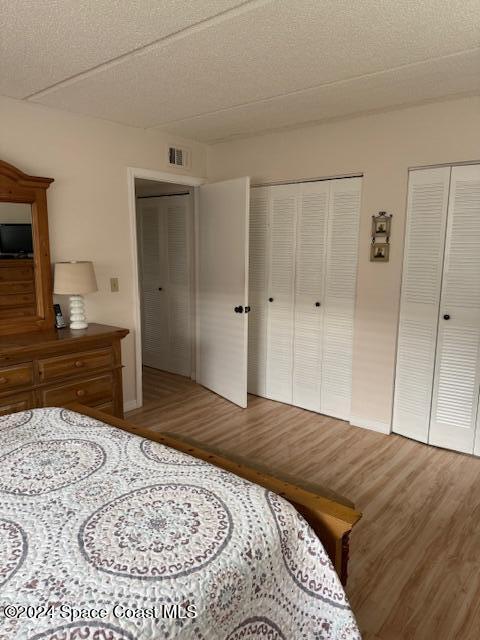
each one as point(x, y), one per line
point(222, 288)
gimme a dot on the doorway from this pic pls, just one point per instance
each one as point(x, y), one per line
point(217, 258)
point(165, 254)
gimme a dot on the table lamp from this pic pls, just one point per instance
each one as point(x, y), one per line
point(75, 279)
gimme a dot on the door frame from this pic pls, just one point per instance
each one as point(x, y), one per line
point(156, 176)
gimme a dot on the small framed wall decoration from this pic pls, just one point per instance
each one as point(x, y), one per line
point(379, 252)
point(380, 246)
point(381, 226)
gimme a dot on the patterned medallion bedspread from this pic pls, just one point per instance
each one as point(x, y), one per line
point(108, 536)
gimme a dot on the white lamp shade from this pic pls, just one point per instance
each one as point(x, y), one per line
point(74, 278)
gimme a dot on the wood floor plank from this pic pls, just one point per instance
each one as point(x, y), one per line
point(415, 555)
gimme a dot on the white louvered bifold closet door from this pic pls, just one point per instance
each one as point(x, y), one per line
point(313, 200)
point(421, 285)
point(257, 292)
point(279, 356)
point(304, 246)
point(153, 277)
point(457, 374)
point(340, 294)
point(177, 211)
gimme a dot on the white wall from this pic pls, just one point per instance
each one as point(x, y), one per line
point(88, 202)
point(383, 147)
point(89, 216)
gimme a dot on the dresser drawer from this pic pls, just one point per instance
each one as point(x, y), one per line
point(91, 391)
point(19, 375)
point(16, 402)
point(75, 364)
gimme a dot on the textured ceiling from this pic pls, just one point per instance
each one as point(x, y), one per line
point(213, 69)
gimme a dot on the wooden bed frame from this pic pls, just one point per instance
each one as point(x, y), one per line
point(331, 519)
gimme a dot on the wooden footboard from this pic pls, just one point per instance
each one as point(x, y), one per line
point(331, 519)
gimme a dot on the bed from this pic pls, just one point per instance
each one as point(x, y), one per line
point(107, 535)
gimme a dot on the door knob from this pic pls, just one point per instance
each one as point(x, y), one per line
point(247, 309)
point(160, 288)
point(239, 309)
point(317, 304)
point(446, 317)
point(270, 299)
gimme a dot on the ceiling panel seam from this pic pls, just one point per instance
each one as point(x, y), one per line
point(244, 7)
point(304, 124)
point(333, 83)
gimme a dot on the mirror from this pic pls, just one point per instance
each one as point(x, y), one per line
point(25, 273)
point(17, 272)
point(16, 239)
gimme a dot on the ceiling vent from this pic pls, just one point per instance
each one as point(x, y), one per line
point(178, 157)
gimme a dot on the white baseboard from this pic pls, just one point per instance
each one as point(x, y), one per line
point(373, 425)
point(131, 405)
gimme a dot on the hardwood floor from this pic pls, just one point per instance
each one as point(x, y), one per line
point(415, 555)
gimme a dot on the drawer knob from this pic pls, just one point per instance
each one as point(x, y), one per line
point(3, 380)
point(79, 363)
point(81, 393)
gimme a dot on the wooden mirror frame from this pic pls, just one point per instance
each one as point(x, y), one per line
point(16, 186)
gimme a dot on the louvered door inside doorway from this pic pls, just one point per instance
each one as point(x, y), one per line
point(164, 242)
point(438, 362)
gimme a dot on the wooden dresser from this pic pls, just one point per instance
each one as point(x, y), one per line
point(57, 367)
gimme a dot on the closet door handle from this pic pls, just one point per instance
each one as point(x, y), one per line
point(160, 288)
point(270, 299)
point(446, 316)
point(238, 309)
point(317, 304)
point(247, 309)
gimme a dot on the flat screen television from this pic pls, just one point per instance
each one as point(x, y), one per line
point(16, 239)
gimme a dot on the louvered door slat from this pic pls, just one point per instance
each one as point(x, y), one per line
point(456, 384)
point(309, 290)
point(340, 291)
point(420, 296)
point(281, 284)
point(178, 289)
point(257, 296)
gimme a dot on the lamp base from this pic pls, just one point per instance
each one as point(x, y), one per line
point(78, 325)
point(77, 313)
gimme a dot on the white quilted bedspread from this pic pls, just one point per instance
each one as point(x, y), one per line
point(107, 536)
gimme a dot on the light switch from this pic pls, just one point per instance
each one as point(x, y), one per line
point(114, 285)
